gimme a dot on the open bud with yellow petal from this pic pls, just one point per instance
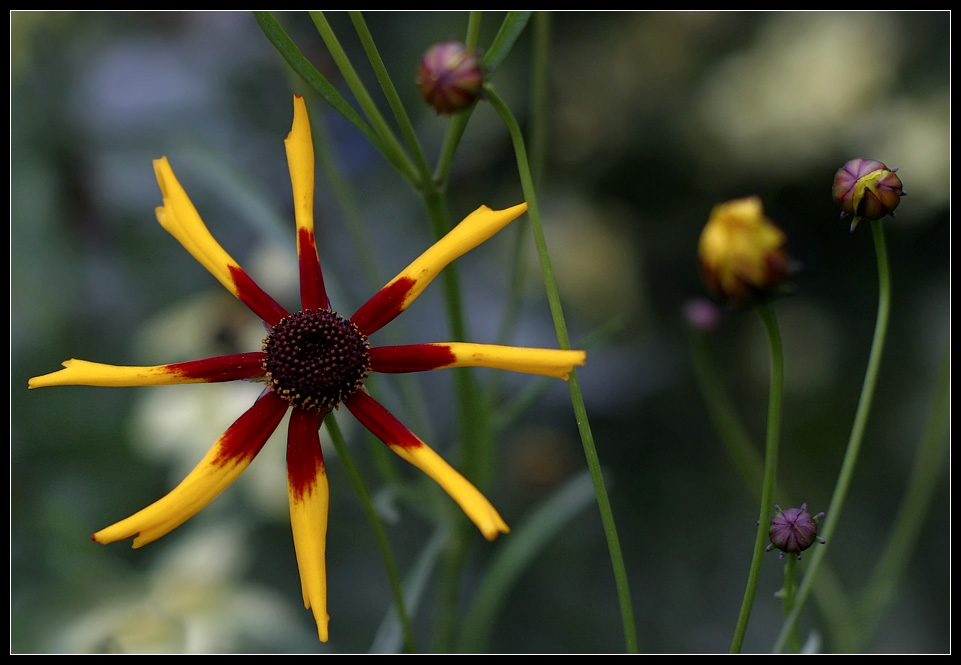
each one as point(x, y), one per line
point(450, 77)
point(866, 189)
point(741, 252)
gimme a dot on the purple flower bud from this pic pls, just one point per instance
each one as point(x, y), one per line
point(866, 189)
point(702, 315)
point(793, 530)
point(450, 77)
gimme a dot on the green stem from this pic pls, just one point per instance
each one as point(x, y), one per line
point(577, 398)
point(473, 30)
point(829, 593)
point(390, 146)
point(926, 476)
point(540, 95)
point(305, 70)
point(770, 471)
point(512, 27)
point(857, 433)
point(730, 430)
point(380, 534)
point(343, 192)
point(539, 126)
point(788, 598)
point(393, 99)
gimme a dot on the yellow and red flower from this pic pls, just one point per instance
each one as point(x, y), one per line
point(741, 252)
point(312, 360)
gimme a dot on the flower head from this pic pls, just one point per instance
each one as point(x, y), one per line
point(311, 362)
point(741, 252)
point(866, 189)
point(450, 77)
point(793, 530)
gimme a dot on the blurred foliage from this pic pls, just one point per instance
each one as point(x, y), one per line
point(656, 117)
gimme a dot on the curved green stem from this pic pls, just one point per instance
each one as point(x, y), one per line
point(833, 602)
point(577, 398)
point(393, 99)
point(833, 515)
point(770, 471)
point(380, 534)
point(317, 81)
point(730, 430)
point(390, 146)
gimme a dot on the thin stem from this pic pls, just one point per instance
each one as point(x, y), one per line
point(730, 430)
point(540, 95)
point(926, 476)
point(512, 27)
point(518, 261)
point(393, 99)
point(390, 146)
point(577, 398)
point(380, 534)
point(833, 602)
point(305, 70)
point(343, 192)
point(473, 29)
point(787, 600)
point(458, 122)
point(766, 312)
point(833, 515)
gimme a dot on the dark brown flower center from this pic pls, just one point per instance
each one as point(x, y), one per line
point(316, 359)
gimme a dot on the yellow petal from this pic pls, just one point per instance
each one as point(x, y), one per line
point(85, 373)
point(226, 460)
point(309, 495)
point(181, 219)
point(402, 441)
point(474, 504)
point(401, 291)
point(300, 161)
point(420, 357)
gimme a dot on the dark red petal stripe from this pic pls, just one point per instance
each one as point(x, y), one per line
point(304, 456)
point(250, 432)
point(313, 295)
point(380, 421)
point(259, 302)
point(383, 307)
point(236, 367)
point(410, 358)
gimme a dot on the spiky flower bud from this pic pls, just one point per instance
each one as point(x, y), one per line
point(741, 252)
point(793, 530)
point(450, 77)
point(866, 189)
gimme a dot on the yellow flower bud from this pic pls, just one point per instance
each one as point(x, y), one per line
point(741, 252)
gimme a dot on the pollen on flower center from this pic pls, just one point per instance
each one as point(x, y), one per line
point(316, 358)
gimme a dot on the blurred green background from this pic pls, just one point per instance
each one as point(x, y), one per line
point(655, 118)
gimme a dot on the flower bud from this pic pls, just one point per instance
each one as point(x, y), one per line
point(741, 252)
point(866, 189)
point(793, 530)
point(450, 77)
point(702, 315)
